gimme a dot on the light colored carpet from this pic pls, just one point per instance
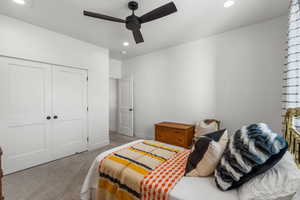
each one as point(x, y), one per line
point(58, 180)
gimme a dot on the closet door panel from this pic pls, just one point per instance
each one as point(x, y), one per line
point(25, 103)
point(69, 133)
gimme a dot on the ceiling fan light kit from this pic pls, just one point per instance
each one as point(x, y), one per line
point(125, 44)
point(133, 22)
point(21, 2)
point(229, 3)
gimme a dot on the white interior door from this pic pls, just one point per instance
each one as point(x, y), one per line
point(125, 107)
point(25, 89)
point(69, 133)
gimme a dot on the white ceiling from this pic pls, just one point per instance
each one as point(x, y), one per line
point(194, 19)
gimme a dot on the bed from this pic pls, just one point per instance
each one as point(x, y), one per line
point(191, 188)
point(186, 189)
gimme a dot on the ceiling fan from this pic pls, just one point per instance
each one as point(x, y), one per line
point(134, 22)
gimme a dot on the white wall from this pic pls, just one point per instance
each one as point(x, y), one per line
point(176, 84)
point(249, 74)
point(235, 77)
point(115, 69)
point(22, 40)
point(113, 104)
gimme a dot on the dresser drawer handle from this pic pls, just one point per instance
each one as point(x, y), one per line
point(179, 140)
point(177, 132)
point(159, 136)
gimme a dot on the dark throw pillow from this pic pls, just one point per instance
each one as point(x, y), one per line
point(206, 154)
point(251, 151)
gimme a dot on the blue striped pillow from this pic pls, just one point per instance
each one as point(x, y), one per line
point(252, 150)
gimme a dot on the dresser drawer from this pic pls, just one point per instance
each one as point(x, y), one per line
point(168, 134)
point(170, 131)
point(171, 138)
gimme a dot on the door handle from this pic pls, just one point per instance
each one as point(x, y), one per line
point(48, 118)
point(130, 109)
point(55, 117)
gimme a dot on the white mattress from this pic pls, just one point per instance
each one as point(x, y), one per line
point(194, 188)
point(188, 188)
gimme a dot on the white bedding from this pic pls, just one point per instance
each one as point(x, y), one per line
point(188, 188)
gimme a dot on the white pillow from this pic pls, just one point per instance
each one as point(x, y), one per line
point(280, 182)
point(202, 128)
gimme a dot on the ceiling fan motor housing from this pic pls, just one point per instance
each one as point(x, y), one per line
point(132, 22)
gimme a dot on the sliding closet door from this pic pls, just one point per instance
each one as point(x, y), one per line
point(69, 132)
point(25, 89)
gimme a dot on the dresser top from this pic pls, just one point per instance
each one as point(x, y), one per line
point(175, 125)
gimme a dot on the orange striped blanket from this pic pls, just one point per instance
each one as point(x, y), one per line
point(148, 170)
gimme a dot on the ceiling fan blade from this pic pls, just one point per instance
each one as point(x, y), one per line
point(104, 17)
point(160, 12)
point(138, 37)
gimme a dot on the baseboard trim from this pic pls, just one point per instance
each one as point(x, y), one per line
point(98, 145)
point(144, 136)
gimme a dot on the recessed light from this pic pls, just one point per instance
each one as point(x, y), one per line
point(123, 52)
point(125, 44)
point(229, 3)
point(21, 2)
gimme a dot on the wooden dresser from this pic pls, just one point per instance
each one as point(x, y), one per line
point(174, 133)
point(1, 176)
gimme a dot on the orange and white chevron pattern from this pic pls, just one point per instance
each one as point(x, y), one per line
point(158, 184)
